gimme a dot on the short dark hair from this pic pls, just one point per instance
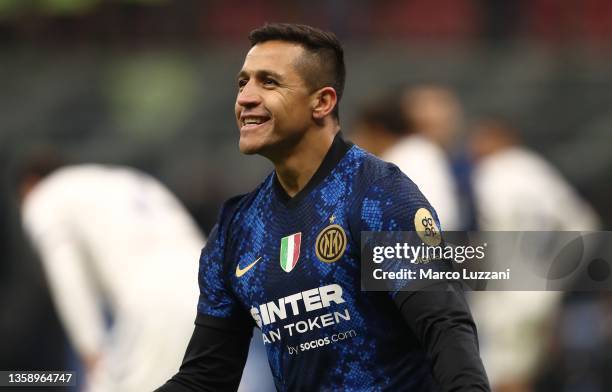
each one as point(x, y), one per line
point(38, 163)
point(327, 69)
point(386, 113)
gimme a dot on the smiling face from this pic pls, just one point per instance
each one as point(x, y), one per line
point(274, 105)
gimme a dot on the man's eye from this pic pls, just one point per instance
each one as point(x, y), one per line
point(269, 81)
point(242, 83)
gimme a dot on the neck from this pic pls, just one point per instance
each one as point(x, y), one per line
point(300, 163)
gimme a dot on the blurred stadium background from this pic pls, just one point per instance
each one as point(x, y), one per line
point(151, 84)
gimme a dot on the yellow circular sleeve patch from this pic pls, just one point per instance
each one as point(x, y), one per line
point(426, 227)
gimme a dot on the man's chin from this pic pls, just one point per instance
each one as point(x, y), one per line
point(247, 148)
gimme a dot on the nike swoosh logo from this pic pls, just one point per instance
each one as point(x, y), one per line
point(242, 271)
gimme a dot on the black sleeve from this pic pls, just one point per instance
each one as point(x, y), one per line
point(215, 357)
point(442, 322)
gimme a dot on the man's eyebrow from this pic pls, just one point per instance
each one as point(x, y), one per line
point(260, 74)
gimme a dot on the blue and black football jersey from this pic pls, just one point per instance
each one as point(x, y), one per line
point(291, 266)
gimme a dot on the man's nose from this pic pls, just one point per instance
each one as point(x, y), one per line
point(248, 96)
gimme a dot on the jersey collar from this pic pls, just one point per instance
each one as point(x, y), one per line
point(335, 154)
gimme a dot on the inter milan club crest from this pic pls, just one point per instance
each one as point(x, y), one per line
point(290, 251)
point(331, 243)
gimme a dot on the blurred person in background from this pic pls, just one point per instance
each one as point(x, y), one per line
point(434, 112)
point(518, 190)
point(379, 124)
point(114, 243)
point(384, 129)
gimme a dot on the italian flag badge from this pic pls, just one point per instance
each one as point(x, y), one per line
point(290, 251)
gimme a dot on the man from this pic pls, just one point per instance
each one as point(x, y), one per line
point(287, 255)
point(507, 198)
point(385, 131)
point(114, 242)
point(435, 112)
point(517, 189)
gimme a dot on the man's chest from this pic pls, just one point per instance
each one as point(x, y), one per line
point(293, 257)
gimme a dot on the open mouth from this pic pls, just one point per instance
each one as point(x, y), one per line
point(252, 122)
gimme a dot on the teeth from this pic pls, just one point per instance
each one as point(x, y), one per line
point(248, 121)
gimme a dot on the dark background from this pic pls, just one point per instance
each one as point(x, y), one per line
point(152, 84)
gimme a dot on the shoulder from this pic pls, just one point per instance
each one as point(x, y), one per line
point(387, 198)
point(510, 166)
point(370, 168)
point(75, 182)
point(241, 203)
point(53, 192)
point(229, 208)
point(49, 206)
point(411, 145)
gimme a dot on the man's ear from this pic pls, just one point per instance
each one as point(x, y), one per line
point(323, 102)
